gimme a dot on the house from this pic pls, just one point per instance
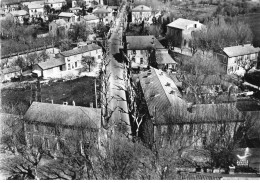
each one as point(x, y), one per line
point(164, 61)
point(59, 27)
point(141, 13)
point(52, 68)
point(36, 9)
point(181, 31)
point(102, 13)
point(68, 17)
point(87, 3)
point(73, 58)
point(90, 19)
point(169, 114)
point(140, 48)
point(75, 10)
point(18, 16)
point(55, 4)
point(232, 58)
point(8, 73)
point(9, 6)
point(56, 126)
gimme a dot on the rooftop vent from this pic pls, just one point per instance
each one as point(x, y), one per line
point(168, 84)
point(172, 92)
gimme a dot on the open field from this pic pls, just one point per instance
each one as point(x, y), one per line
point(80, 90)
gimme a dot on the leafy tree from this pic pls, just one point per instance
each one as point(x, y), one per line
point(79, 31)
point(87, 62)
point(21, 63)
point(65, 44)
point(44, 55)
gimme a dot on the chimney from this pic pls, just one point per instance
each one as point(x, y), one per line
point(73, 102)
point(52, 101)
point(91, 104)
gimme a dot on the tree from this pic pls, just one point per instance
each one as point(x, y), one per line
point(87, 62)
point(65, 44)
point(80, 31)
point(44, 55)
point(47, 9)
point(21, 63)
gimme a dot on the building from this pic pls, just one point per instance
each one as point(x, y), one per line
point(8, 73)
point(75, 10)
point(232, 58)
point(73, 58)
point(55, 127)
point(180, 31)
point(9, 6)
point(90, 19)
point(51, 68)
point(168, 114)
point(102, 13)
point(55, 4)
point(141, 13)
point(17, 16)
point(36, 9)
point(59, 27)
point(140, 48)
point(68, 17)
point(164, 61)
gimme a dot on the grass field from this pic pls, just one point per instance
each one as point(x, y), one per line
point(80, 90)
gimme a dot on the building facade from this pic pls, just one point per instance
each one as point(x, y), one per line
point(141, 13)
point(236, 58)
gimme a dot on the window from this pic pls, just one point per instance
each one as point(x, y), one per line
point(69, 67)
point(68, 59)
point(99, 56)
point(134, 52)
point(195, 25)
point(60, 67)
point(76, 65)
point(36, 127)
point(72, 66)
point(46, 143)
point(96, 51)
point(141, 60)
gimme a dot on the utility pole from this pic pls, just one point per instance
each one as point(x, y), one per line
point(96, 92)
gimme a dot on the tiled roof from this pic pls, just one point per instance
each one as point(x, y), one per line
point(66, 14)
point(35, 6)
point(181, 23)
point(141, 8)
point(164, 100)
point(11, 70)
point(53, 62)
point(101, 10)
point(81, 50)
point(234, 51)
point(142, 42)
point(163, 57)
point(63, 114)
point(19, 13)
point(90, 17)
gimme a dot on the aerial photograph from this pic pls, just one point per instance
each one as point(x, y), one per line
point(130, 90)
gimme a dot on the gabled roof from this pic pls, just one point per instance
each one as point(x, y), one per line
point(90, 17)
point(163, 57)
point(101, 10)
point(60, 22)
point(53, 62)
point(142, 43)
point(66, 14)
point(81, 50)
point(234, 51)
point(63, 114)
point(11, 70)
point(19, 13)
point(182, 23)
point(141, 8)
point(35, 6)
point(54, 1)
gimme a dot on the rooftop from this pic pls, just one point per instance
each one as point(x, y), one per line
point(235, 51)
point(163, 57)
point(59, 22)
point(141, 8)
point(63, 114)
point(66, 14)
point(35, 6)
point(11, 70)
point(181, 23)
point(101, 10)
point(80, 50)
point(142, 42)
point(53, 62)
point(19, 13)
point(54, 1)
point(90, 17)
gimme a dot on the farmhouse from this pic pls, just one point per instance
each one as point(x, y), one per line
point(52, 68)
point(36, 9)
point(181, 31)
point(234, 58)
point(57, 126)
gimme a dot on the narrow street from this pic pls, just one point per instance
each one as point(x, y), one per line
point(117, 70)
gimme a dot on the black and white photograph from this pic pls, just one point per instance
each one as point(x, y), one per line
point(130, 90)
